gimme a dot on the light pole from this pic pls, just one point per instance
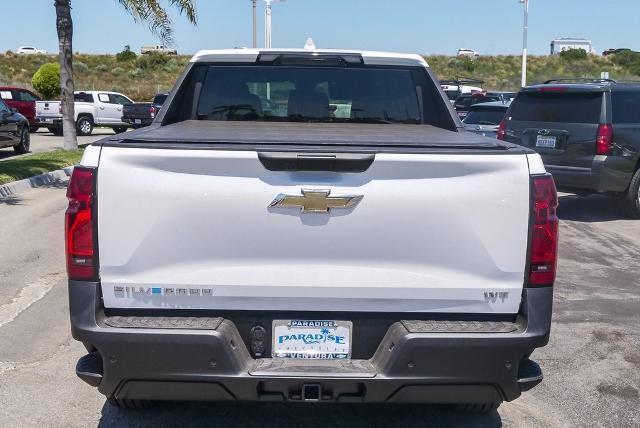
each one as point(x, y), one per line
point(255, 36)
point(267, 21)
point(525, 29)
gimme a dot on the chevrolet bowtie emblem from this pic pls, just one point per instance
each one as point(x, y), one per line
point(315, 201)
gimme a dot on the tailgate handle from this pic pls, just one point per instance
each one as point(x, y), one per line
point(331, 162)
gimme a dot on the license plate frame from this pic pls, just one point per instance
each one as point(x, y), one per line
point(137, 121)
point(312, 339)
point(546, 141)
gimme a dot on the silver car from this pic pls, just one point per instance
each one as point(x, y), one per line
point(484, 118)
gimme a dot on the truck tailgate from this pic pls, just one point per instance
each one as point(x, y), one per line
point(181, 228)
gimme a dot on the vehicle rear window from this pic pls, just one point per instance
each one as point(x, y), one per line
point(159, 99)
point(312, 94)
point(484, 117)
point(626, 106)
point(557, 107)
point(83, 97)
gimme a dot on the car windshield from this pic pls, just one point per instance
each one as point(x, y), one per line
point(484, 117)
point(563, 107)
point(308, 94)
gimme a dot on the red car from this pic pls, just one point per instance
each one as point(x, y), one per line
point(24, 101)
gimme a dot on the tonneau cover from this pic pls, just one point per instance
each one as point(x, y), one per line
point(316, 134)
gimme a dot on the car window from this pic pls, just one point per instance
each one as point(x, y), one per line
point(119, 99)
point(83, 97)
point(3, 106)
point(484, 117)
point(159, 99)
point(6, 95)
point(25, 96)
point(557, 107)
point(626, 106)
point(309, 94)
point(104, 98)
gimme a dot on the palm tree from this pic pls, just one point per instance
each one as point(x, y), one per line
point(146, 11)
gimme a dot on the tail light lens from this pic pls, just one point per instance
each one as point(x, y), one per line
point(604, 139)
point(502, 130)
point(544, 239)
point(79, 226)
point(152, 112)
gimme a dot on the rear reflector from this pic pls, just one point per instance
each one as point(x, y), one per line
point(604, 139)
point(501, 133)
point(552, 89)
point(80, 241)
point(544, 236)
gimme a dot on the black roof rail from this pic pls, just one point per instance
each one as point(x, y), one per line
point(462, 81)
point(579, 80)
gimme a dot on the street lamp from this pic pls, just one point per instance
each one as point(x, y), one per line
point(267, 21)
point(525, 29)
point(255, 37)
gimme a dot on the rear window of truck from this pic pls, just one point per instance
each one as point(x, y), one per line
point(562, 107)
point(311, 94)
point(484, 116)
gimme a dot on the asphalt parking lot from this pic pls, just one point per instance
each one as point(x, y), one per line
point(592, 364)
point(44, 141)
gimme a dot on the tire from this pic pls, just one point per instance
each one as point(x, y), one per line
point(84, 126)
point(631, 200)
point(119, 129)
point(478, 408)
point(55, 131)
point(34, 128)
point(128, 403)
point(25, 142)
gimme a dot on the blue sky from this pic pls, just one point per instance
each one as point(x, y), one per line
point(421, 26)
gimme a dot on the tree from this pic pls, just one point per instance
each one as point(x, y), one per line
point(150, 12)
point(126, 55)
point(573, 54)
point(47, 80)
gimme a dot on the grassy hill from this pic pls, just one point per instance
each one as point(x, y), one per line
point(142, 77)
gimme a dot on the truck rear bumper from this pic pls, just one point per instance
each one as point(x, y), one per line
point(205, 358)
point(607, 174)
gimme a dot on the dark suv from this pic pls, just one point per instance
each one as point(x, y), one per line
point(588, 134)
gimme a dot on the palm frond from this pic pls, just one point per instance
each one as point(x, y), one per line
point(156, 17)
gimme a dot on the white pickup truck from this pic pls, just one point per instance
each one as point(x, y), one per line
point(92, 108)
point(310, 225)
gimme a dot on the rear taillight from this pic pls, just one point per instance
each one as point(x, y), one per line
point(79, 225)
point(604, 139)
point(152, 112)
point(544, 236)
point(501, 133)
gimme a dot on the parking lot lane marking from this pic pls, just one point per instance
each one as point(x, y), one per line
point(27, 297)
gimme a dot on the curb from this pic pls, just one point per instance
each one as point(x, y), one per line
point(15, 187)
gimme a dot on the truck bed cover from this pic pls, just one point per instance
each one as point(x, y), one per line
point(254, 135)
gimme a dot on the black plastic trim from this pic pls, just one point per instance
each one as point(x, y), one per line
point(329, 162)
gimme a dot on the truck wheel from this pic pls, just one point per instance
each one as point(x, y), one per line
point(119, 129)
point(128, 403)
point(631, 200)
point(84, 126)
point(477, 408)
point(25, 142)
point(34, 128)
point(55, 131)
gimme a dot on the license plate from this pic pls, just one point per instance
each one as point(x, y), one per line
point(312, 339)
point(546, 142)
point(137, 121)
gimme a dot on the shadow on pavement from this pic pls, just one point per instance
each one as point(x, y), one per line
point(594, 208)
point(263, 415)
point(10, 200)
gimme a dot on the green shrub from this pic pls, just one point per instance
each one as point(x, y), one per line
point(574, 54)
point(118, 71)
point(152, 60)
point(137, 72)
point(126, 55)
point(101, 68)
point(47, 80)
point(629, 60)
point(80, 67)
